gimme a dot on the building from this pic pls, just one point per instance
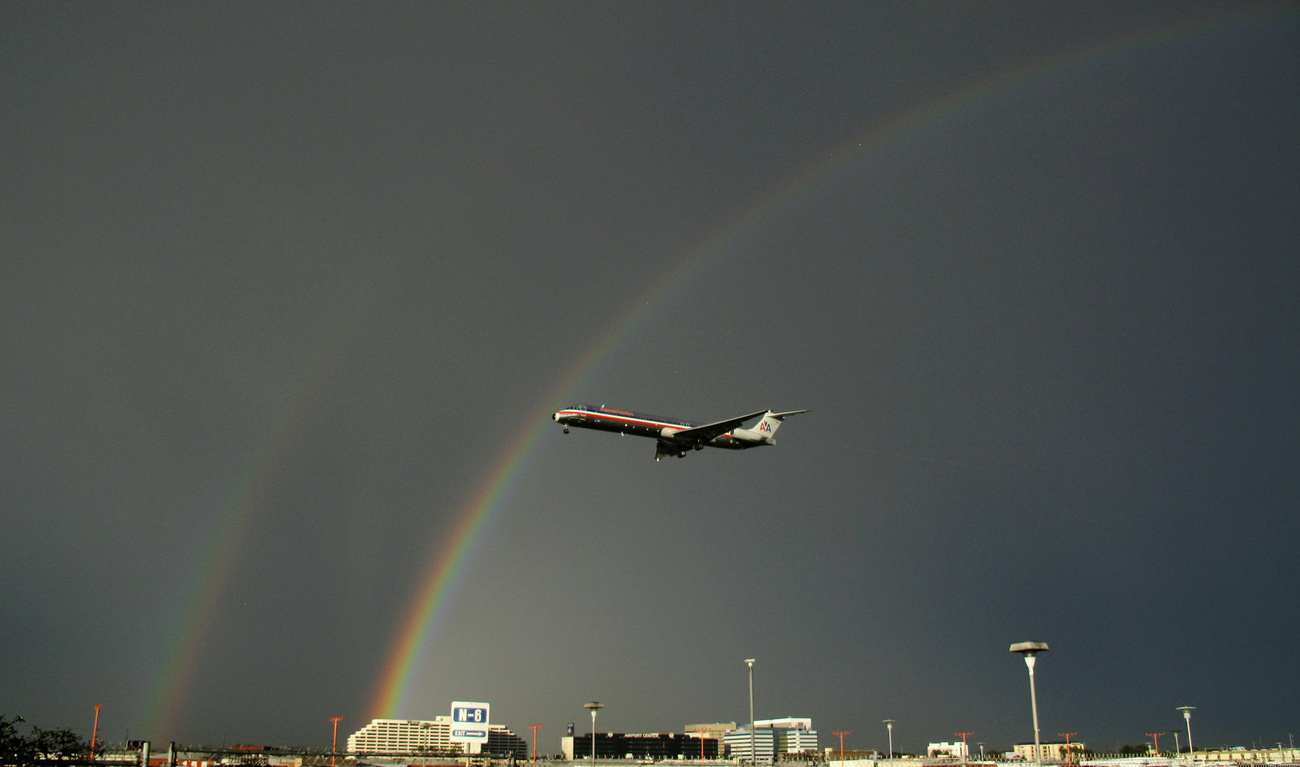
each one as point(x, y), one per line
point(656, 746)
point(771, 738)
point(411, 736)
point(954, 750)
point(1052, 751)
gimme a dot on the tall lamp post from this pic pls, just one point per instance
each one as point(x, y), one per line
point(1187, 714)
point(593, 706)
point(890, 724)
point(753, 752)
point(1030, 651)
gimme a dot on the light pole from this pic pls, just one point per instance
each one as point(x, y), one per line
point(1187, 714)
point(981, 751)
point(1178, 750)
point(890, 724)
point(753, 753)
point(1030, 651)
point(594, 706)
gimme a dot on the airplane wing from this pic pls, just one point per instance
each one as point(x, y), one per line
point(698, 435)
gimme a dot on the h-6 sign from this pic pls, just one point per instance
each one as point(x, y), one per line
point(469, 722)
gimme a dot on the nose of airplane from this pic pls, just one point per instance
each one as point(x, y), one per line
point(555, 416)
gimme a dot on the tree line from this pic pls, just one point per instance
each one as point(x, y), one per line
point(38, 746)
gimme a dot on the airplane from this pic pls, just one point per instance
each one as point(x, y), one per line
point(675, 437)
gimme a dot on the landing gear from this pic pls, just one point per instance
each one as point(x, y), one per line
point(566, 428)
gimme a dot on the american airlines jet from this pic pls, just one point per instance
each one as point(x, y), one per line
point(676, 437)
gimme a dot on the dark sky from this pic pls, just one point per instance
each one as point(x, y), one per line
point(281, 283)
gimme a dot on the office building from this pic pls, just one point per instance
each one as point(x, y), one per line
point(771, 737)
point(409, 736)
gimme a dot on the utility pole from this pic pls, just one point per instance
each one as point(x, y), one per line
point(534, 728)
point(841, 733)
point(334, 745)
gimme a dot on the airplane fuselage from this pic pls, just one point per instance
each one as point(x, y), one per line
point(645, 425)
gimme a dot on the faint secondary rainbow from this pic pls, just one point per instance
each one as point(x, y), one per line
point(420, 624)
point(207, 582)
point(210, 575)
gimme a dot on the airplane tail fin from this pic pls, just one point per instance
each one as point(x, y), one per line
point(767, 427)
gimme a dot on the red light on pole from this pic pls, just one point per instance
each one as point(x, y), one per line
point(841, 733)
point(1156, 737)
point(1069, 752)
point(334, 745)
point(94, 733)
point(964, 753)
point(535, 728)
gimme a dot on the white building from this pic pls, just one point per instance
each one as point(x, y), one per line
point(955, 750)
point(1051, 751)
point(790, 735)
point(415, 736)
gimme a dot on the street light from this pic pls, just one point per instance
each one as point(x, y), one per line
point(1030, 650)
point(1187, 714)
point(890, 724)
point(753, 752)
point(593, 706)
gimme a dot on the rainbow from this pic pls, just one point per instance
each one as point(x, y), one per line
point(209, 580)
point(440, 579)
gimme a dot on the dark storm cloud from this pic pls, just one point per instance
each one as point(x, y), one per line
point(318, 263)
